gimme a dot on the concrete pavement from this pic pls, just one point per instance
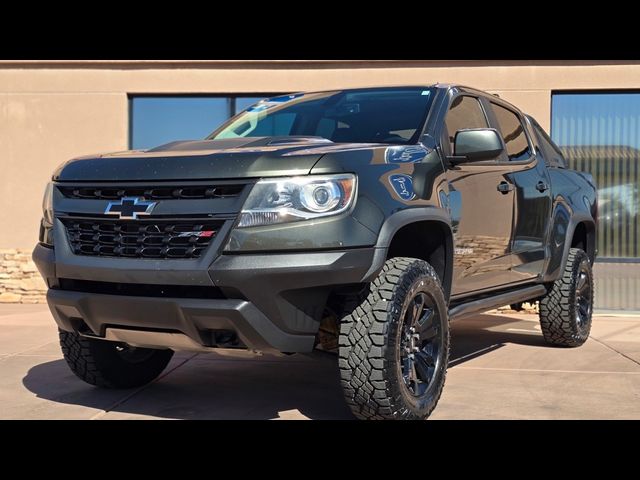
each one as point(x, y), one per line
point(500, 369)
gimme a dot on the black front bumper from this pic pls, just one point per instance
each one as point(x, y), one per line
point(274, 302)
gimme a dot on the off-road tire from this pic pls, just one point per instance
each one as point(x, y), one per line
point(100, 363)
point(559, 309)
point(369, 341)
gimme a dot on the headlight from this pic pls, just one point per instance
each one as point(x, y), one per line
point(45, 236)
point(47, 204)
point(279, 200)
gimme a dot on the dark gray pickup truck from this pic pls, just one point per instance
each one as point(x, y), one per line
point(356, 221)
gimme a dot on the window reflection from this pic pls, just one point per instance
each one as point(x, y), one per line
point(513, 134)
point(465, 112)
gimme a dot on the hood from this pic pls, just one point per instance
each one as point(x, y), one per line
point(205, 159)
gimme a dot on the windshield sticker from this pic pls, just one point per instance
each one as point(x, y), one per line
point(284, 98)
point(403, 186)
point(263, 105)
point(259, 107)
point(402, 154)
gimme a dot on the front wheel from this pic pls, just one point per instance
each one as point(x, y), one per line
point(394, 346)
point(112, 364)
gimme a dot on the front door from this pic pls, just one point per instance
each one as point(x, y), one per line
point(481, 204)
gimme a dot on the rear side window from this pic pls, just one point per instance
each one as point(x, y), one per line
point(465, 112)
point(513, 134)
point(550, 151)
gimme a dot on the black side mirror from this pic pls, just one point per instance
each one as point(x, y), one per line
point(476, 144)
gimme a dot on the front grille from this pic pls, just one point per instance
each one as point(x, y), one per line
point(140, 239)
point(153, 193)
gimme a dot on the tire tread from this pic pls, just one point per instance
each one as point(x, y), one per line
point(557, 308)
point(364, 340)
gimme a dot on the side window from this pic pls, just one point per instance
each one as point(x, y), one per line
point(551, 152)
point(513, 134)
point(465, 112)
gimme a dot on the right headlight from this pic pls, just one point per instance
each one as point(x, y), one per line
point(47, 204)
point(288, 199)
point(46, 224)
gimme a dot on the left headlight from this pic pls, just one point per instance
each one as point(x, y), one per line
point(280, 200)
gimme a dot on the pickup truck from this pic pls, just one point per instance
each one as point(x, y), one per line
point(359, 222)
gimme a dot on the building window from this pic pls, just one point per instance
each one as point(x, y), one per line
point(156, 120)
point(599, 133)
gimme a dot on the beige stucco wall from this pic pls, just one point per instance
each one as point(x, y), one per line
point(52, 111)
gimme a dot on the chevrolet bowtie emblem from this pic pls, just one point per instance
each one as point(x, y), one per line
point(129, 208)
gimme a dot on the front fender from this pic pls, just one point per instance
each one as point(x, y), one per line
point(406, 217)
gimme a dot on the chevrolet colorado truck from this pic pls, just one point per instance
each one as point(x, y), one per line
point(355, 221)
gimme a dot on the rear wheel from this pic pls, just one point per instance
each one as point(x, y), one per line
point(394, 346)
point(565, 312)
point(112, 364)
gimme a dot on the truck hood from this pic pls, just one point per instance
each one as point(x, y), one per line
point(205, 159)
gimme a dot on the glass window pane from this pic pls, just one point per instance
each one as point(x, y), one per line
point(599, 133)
point(512, 133)
point(159, 120)
point(465, 112)
point(378, 115)
point(243, 103)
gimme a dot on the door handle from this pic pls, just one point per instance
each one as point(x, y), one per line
point(542, 187)
point(504, 187)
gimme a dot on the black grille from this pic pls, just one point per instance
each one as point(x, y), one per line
point(153, 193)
point(136, 239)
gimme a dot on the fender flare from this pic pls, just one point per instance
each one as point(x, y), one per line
point(575, 219)
point(401, 219)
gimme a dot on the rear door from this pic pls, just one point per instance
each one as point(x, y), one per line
point(530, 179)
point(481, 213)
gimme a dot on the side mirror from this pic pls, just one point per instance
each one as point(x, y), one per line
point(476, 144)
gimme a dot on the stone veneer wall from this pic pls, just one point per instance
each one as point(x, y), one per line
point(20, 281)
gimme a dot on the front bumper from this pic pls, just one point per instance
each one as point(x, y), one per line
point(195, 318)
point(273, 302)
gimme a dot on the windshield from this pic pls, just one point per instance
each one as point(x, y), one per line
point(376, 115)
